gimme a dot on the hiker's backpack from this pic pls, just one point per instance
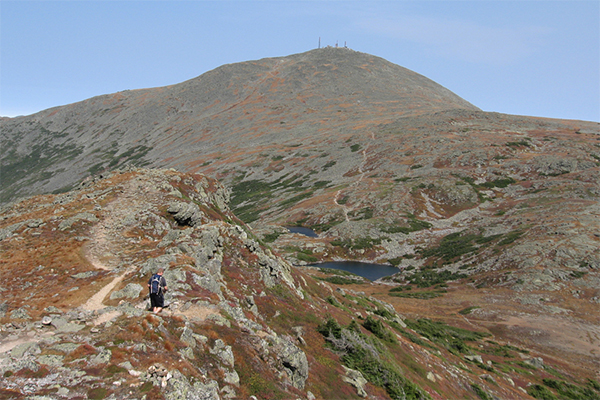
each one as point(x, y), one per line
point(155, 287)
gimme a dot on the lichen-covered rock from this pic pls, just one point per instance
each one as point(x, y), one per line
point(7, 232)
point(186, 214)
point(20, 313)
point(356, 379)
point(131, 291)
point(179, 388)
point(86, 216)
point(223, 352)
point(293, 360)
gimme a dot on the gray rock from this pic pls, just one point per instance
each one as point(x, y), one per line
point(224, 352)
point(62, 325)
point(34, 223)
point(476, 358)
point(179, 388)
point(186, 214)
point(85, 216)
point(23, 349)
point(131, 291)
point(208, 282)
point(232, 378)
point(188, 353)
point(356, 379)
point(84, 275)
point(20, 313)
point(187, 336)
point(65, 347)
point(153, 264)
point(293, 360)
point(52, 360)
point(7, 232)
point(169, 238)
point(537, 362)
point(101, 358)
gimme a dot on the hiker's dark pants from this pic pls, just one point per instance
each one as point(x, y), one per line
point(157, 300)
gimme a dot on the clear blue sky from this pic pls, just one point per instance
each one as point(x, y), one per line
point(537, 58)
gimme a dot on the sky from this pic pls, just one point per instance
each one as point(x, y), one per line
point(535, 58)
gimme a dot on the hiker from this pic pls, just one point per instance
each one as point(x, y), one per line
point(157, 286)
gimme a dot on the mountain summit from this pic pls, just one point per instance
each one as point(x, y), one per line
point(293, 99)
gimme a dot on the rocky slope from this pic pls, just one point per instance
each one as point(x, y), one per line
point(491, 219)
point(241, 322)
point(235, 116)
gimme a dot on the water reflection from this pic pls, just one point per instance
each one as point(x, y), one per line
point(366, 270)
point(303, 231)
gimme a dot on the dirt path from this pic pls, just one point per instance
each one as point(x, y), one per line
point(362, 173)
point(95, 302)
point(106, 249)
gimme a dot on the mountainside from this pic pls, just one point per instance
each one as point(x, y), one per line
point(215, 117)
point(492, 220)
point(241, 321)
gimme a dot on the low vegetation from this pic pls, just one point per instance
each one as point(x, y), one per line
point(367, 354)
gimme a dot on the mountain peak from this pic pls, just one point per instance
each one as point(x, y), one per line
point(328, 76)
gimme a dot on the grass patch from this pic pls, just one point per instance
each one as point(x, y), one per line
point(480, 392)
point(452, 338)
point(378, 329)
point(425, 278)
point(249, 198)
point(453, 246)
point(457, 244)
point(426, 295)
point(414, 225)
point(467, 311)
point(521, 143)
point(499, 183)
point(339, 280)
point(271, 237)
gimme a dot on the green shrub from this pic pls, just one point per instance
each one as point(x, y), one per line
point(510, 238)
point(328, 165)
point(271, 237)
point(333, 301)
point(570, 391)
point(501, 183)
point(338, 280)
point(453, 245)
point(429, 277)
point(452, 338)
point(330, 327)
point(382, 312)
point(518, 144)
point(466, 311)
point(426, 295)
point(480, 392)
point(414, 226)
point(306, 257)
point(541, 392)
point(359, 352)
point(378, 329)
